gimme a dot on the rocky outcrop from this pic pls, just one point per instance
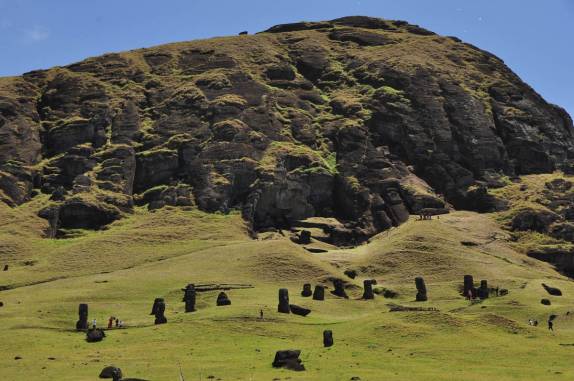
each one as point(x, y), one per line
point(336, 119)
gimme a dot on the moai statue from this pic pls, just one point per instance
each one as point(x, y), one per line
point(283, 306)
point(327, 338)
point(189, 298)
point(160, 312)
point(5, 267)
point(339, 289)
point(306, 290)
point(305, 237)
point(82, 323)
point(368, 289)
point(155, 304)
point(421, 289)
point(222, 299)
point(483, 291)
point(468, 290)
point(319, 293)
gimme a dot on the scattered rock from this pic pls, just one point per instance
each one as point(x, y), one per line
point(17, 358)
point(288, 359)
point(546, 302)
point(535, 220)
point(6, 268)
point(283, 306)
point(298, 310)
point(223, 300)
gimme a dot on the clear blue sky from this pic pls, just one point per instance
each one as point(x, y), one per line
point(534, 37)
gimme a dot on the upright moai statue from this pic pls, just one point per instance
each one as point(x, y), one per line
point(319, 293)
point(283, 306)
point(483, 291)
point(160, 312)
point(189, 298)
point(155, 304)
point(368, 289)
point(82, 323)
point(469, 286)
point(328, 338)
point(339, 289)
point(306, 290)
point(421, 289)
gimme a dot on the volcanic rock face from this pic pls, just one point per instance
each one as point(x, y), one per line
point(361, 119)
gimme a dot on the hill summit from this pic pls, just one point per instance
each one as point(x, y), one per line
point(360, 119)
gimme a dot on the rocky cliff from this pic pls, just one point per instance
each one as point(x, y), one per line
point(361, 119)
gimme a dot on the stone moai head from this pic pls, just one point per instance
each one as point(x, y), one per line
point(421, 289)
point(189, 298)
point(283, 306)
point(368, 289)
point(468, 285)
point(160, 312)
point(328, 338)
point(82, 323)
point(155, 304)
point(306, 290)
point(339, 288)
point(319, 293)
point(222, 299)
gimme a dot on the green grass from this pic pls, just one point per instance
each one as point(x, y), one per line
point(121, 270)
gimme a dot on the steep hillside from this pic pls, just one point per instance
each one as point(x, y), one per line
point(362, 119)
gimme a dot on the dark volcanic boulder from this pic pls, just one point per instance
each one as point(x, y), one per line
point(223, 300)
point(298, 310)
point(552, 290)
point(95, 335)
point(546, 302)
point(536, 220)
point(288, 359)
point(112, 372)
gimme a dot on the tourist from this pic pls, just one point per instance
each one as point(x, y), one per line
point(110, 322)
point(261, 314)
point(94, 324)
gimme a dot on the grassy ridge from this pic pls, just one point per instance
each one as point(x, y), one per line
point(150, 255)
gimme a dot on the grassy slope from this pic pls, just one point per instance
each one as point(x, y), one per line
point(155, 254)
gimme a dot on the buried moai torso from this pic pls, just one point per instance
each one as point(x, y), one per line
point(389, 208)
point(421, 289)
point(319, 293)
point(306, 290)
point(82, 323)
point(339, 288)
point(159, 311)
point(283, 306)
point(368, 289)
point(189, 298)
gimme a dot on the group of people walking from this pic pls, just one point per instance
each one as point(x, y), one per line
point(111, 322)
